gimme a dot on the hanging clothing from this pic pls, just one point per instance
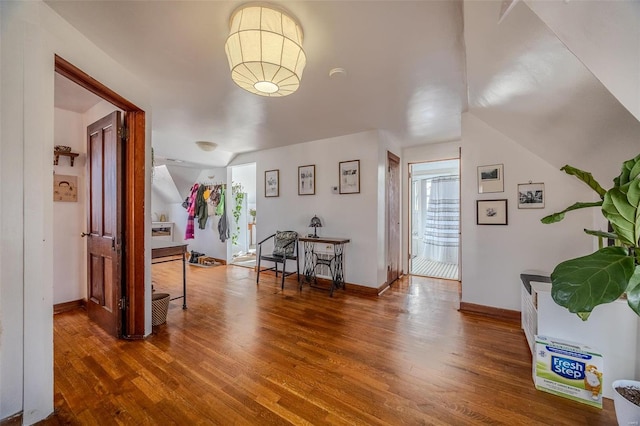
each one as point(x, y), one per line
point(211, 206)
point(223, 226)
point(220, 208)
point(191, 212)
point(201, 207)
point(215, 198)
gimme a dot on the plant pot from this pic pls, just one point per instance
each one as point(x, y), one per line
point(627, 412)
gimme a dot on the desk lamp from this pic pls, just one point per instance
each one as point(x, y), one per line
point(315, 224)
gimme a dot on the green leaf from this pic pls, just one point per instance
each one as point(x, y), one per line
point(635, 171)
point(583, 283)
point(633, 291)
point(602, 234)
point(584, 315)
point(586, 177)
point(620, 207)
point(557, 217)
point(630, 170)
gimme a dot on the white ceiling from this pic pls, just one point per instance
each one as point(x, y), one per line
point(408, 66)
point(71, 97)
point(526, 83)
point(404, 63)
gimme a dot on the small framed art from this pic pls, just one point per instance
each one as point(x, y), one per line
point(349, 177)
point(490, 178)
point(491, 212)
point(65, 188)
point(272, 183)
point(307, 180)
point(531, 195)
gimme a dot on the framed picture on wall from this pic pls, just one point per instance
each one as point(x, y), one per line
point(307, 180)
point(491, 212)
point(272, 183)
point(531, 195)
point(490, 178)
point(65, 188)
point(349, 177)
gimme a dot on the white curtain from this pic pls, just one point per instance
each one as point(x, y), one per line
point(441, 231)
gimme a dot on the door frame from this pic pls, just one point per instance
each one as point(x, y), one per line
point(134, 175)
point(393, 157)
point(410, 210)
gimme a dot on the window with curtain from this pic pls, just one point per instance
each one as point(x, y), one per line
point(442, 223)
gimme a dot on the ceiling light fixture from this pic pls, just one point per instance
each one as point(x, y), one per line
point(264, 49)
point(206, 145)
point(337, 72)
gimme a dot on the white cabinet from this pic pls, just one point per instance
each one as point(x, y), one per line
point(532, 283)
point(611, 329)
point(162, 231)
point(529, 317)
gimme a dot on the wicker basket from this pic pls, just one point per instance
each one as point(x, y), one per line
point(159, 308)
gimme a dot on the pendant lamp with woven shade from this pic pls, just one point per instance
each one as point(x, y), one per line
point(264, 49)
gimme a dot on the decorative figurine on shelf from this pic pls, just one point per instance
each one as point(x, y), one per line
point(62, 148)
point(315, 224)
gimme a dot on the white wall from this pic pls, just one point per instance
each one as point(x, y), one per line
point(494, 256)
point(31, 34)
point(12, 211)
point(246, 175)
point(69, 218)
point(163, 193)
point(343, 215)
point(605, 36)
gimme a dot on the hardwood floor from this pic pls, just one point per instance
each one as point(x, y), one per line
point(247, 354)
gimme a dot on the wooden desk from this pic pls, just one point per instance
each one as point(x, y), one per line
point(335, 263)
point(161, 249)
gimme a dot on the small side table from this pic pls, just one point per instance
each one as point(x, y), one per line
point(160, 249)
point(335, 262)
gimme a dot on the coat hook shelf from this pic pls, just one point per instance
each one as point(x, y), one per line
point(71, 155)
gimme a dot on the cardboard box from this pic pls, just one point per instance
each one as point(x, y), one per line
point(568, 369)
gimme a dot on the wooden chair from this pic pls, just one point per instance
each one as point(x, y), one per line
point(285, 247)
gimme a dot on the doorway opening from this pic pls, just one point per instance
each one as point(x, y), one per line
point(133, 187)
point(243, 231)
point(435, 219)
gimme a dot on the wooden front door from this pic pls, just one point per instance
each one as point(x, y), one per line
point(393, 218)
point(104, 217)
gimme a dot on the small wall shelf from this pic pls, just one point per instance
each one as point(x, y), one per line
point(162, 231)
point(71, 155)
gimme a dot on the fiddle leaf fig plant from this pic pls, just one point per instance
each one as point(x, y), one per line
point(583, 283)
